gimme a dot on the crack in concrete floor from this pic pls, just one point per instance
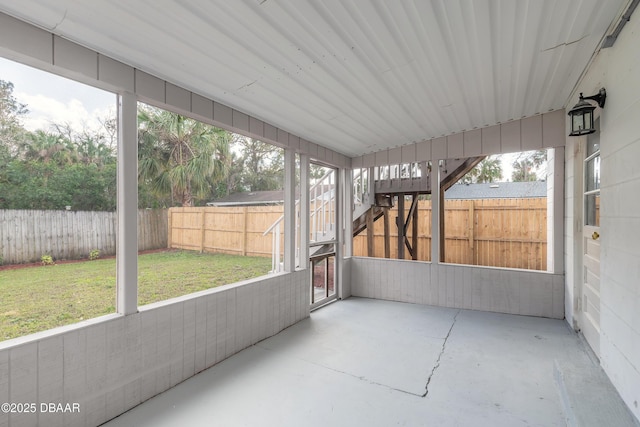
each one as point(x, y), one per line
point(437, 364)
point(363, 378)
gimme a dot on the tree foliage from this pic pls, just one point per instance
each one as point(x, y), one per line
point(39, 185)
point(488, 170)
point(11, 129)
point(180, 162)
point(180, 158)
point(527, 166)
point(262, 165)
point(52, 169)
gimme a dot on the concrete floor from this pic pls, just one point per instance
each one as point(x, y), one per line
point(363, 362)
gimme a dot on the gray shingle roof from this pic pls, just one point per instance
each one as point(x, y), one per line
point(251, 198)
point(498, 190)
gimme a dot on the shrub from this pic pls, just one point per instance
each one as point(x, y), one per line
point(47, 260)
point(94, 255)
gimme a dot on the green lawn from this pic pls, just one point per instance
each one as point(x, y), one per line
point(40, 298)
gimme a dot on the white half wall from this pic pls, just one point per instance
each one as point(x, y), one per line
point(110, 364)
point(617, 69)
point(529, 293)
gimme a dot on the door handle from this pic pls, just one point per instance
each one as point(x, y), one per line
point(595, 235)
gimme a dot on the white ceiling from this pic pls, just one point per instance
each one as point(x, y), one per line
point(354, 76)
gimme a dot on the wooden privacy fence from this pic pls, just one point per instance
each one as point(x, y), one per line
point(509, 233)
point(26, 235)
point(232, 230)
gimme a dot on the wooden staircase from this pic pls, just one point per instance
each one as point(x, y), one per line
point(373, 196)
point(408, 180)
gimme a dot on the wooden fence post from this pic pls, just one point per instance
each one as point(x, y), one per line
point(472, 237)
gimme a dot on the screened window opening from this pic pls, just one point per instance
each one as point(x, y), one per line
point(218, 196)
point(497, 213)
point(58, 161)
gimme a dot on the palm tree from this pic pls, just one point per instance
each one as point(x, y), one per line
point(92, 149)
point(179, 157)
point(45, 147)
point(89, 146)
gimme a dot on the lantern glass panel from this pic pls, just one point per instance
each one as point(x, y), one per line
point(578, 122)
point(588, 120)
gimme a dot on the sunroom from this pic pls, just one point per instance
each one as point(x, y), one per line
point(396, 102)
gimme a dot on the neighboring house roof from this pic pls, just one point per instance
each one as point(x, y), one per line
point(258, 198)
point(498, 190)
point(251, 198)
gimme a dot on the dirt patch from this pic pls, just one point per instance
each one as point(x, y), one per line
point(74, 261)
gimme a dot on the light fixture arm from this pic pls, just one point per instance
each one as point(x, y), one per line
point(600, 97)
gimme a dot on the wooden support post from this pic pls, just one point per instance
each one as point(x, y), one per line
point(370, 245)
point(387, 233)
point(410, 217)
point(441, 216)
point(414, 228)
point(400, 224)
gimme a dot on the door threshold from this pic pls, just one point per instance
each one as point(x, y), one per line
point(323, 304)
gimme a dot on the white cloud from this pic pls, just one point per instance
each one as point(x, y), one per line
point(44, 111)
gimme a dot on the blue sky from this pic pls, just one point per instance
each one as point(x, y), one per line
point(51, 98)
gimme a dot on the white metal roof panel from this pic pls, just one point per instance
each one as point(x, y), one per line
point(354, 76)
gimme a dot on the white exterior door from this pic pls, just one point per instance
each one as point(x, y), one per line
point(590, 292)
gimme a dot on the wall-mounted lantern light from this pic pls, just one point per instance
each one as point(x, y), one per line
point(582, 113)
